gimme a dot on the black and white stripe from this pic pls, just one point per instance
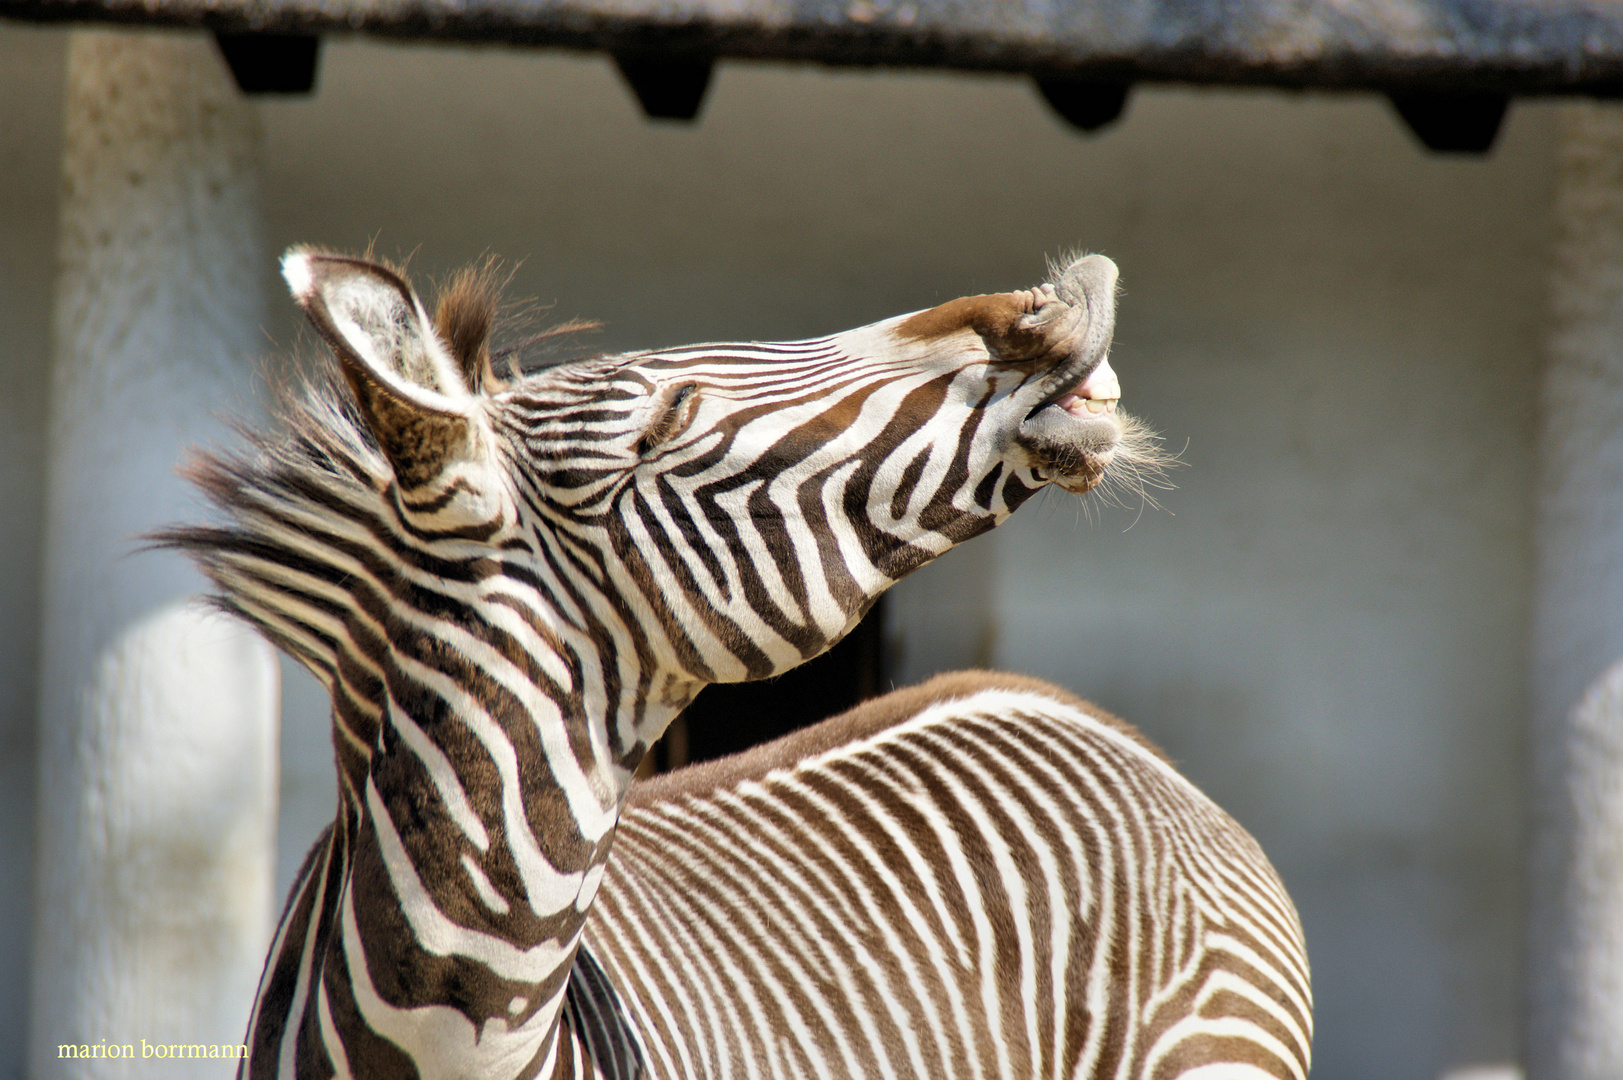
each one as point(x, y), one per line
point(1003, 882)
point(511, 589)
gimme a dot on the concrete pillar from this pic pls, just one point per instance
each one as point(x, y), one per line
point(1575, 957)
point(158, 718)
point(32, 64)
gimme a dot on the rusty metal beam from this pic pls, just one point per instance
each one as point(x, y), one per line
point(271, 63)
point(669, 86)
point(1516, 47)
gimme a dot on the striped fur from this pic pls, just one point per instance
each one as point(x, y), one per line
point(981, 877)
point(511, 588)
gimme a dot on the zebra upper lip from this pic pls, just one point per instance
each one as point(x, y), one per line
point(1081, 322)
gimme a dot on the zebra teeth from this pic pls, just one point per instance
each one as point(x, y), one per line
point(1101, 383)
point(1095, 395)
point(1087, 406)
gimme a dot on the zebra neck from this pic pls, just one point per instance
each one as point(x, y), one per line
point(484, 820)
point(507, 744)
point(492, 680)
point(486, 721)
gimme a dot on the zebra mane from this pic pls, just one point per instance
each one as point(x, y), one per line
point(867, 720)
point(276, 560)
point(277, 494)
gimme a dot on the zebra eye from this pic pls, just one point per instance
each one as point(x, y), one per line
point(672, 419)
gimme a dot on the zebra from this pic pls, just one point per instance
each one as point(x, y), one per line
point(512, 583)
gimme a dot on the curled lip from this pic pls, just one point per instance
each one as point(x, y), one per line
point(1077, 316)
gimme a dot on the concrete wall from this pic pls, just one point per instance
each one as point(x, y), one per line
point(32, 69)
point(155, 836)
point(1326, 626)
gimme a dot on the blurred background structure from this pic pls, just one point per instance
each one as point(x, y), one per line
point(1373, 268)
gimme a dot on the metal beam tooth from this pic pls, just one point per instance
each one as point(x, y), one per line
point(667, 87)
point(1088, 104)
point(271, 63)
point(1453, 123)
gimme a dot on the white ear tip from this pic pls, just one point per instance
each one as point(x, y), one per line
point(296, 272)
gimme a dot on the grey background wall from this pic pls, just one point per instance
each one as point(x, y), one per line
point(1326, 624)
point(31, 76)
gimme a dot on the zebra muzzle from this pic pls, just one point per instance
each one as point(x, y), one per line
point(1078, 323)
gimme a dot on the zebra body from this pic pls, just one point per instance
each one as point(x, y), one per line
point(979, 877)
point(511, 588)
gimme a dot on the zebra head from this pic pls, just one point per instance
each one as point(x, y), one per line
point(740, 505)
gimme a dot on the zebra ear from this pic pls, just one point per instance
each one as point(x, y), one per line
point(407, 385)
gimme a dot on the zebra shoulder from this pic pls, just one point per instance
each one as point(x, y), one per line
point(973, 690)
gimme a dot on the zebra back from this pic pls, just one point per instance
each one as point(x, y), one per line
point(982, 877)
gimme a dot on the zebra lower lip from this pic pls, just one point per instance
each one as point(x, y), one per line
point(1073, 430)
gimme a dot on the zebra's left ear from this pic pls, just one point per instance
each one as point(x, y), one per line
point(408, 386)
